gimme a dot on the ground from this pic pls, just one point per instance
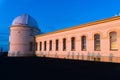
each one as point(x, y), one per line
point(33, 68)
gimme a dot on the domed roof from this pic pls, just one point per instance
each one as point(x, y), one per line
point(25, 19)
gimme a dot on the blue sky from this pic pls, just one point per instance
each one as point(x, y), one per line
point(54, 15)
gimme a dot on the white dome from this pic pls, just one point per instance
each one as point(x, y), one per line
point(25, 19)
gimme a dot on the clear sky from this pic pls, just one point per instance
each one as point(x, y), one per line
point(53, 15)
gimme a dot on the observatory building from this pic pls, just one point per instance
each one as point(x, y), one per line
point(99, 40)
point(22, 36)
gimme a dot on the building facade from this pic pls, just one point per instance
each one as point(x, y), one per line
point(99, 40)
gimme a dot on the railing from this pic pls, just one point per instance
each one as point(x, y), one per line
point(77, 56)
point(81, 56)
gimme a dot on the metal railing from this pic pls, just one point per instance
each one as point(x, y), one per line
point(78, 56)
point(81, 56)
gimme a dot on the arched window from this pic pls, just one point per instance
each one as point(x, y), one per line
point(64, 44)
point(73, 44)
point(113, 40)
point(40, 46)
point(57, 44)
point(50, 43)
point(96, 42)
point(83, 43)
point(45, 45)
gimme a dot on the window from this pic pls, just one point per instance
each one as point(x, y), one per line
point(57, 44)
point(83, 43)
point(96, 42)
point(72, 44)
point(36, 45)
point(44, 45)
point(40, 46)
point(50, 43)
point(31, 46)
point(113, 40)
point(9, 46)
point(64, 44)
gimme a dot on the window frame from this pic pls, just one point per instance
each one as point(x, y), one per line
point(97, 42)
point(40, 46)
point(57, 45)
point(73, 44)
point(111, 43)
point(64, 44)
point(83, 43)
point(45, 45)
point(50, 45)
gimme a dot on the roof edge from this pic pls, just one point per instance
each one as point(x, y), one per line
point(82, 25)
